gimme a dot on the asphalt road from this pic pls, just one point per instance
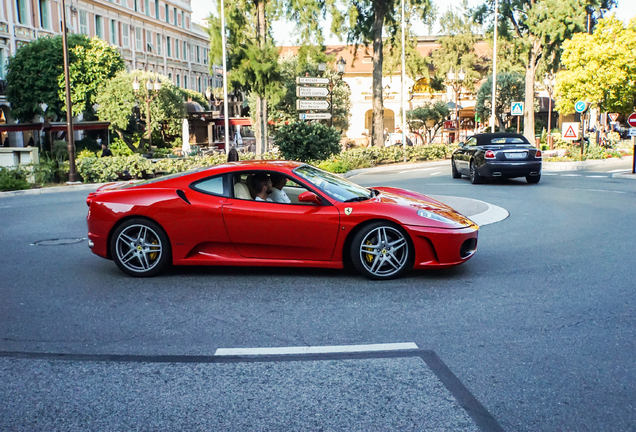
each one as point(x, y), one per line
point(538, 326)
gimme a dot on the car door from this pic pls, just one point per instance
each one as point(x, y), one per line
point(462, 162)
point(268, 230)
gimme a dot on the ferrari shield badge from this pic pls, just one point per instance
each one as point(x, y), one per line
point(348, 210)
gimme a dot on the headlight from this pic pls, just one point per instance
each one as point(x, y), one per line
point(433, 216)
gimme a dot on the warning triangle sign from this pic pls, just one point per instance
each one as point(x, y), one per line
point(570, 133)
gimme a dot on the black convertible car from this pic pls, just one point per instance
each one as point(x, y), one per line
point(497, 155)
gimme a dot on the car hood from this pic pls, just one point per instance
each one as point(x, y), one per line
point(418, 201)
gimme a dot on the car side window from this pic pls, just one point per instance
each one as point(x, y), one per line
point(243, 188)
point(471, 142)
point(213, 186)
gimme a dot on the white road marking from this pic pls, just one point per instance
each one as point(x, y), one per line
point(600, 190)
point(435, 173)
point(5, 207)
point(596, 176)
point(416, 169)
point(548, 174)
point(619, 170)
point(316, 349)
point(571, 175)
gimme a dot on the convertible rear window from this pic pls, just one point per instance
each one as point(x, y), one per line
point(509, 140)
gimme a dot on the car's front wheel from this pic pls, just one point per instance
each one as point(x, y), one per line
point(140, 248)
point(381, 251)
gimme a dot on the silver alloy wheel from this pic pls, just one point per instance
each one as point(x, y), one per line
point(139, 248)
point(384, 251)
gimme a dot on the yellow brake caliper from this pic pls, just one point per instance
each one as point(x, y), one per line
point(368, 256)
point(153, 255)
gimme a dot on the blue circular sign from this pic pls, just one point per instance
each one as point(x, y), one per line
point(580, 106)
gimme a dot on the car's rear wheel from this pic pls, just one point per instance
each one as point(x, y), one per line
point(475, 178)
point(533, 179)
point(140, 248)
point(454, 171)
point(381, 251)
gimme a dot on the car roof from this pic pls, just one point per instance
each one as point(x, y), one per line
point(487, 137)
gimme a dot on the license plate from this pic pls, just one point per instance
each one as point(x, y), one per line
point(521, 155)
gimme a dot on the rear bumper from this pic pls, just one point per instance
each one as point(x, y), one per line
point(510, 169)
point(439, 248)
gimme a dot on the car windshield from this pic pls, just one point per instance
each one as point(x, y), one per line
point(332, 185)
point(509, 140)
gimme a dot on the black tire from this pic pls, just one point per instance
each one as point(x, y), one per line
point(454, 171)
point(475, 178)
point(533, 179)
point(140, 248)
point(381, 251)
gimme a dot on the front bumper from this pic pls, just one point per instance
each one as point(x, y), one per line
point(439, 248)
point(510, 169)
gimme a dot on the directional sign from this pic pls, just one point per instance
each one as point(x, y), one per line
point(580, 106)
point(312, 91)
point(314, 116)
point(517, 109)
point(632, 132)
point(570, 131)
point(311, 80)
point(613, 116)
point(631, 120)
point(311, 105)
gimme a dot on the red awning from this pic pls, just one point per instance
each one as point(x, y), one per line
point(20, 127)
point(236, 121)
point(55, 127)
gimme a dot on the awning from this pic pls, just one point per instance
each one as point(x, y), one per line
point(54, 127)
point(20, 127)
point(236, 121)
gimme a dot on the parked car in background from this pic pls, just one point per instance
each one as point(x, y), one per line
point(499, 155)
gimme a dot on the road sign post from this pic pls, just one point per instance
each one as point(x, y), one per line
point(516, 109)
point(314, 116)
point(302, 105)
point(631, 121)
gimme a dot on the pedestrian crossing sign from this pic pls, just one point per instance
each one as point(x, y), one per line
point(517, 109)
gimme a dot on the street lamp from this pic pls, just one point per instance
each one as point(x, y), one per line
point(152, 91)
point(456, 80)
point(549, 82)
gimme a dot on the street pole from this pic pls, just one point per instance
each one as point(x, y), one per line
point(72, 176)
point(494, 69)
point(331, 101)
point(403, 82)
point(148, 115)
point(456, 113)
point(225, 103)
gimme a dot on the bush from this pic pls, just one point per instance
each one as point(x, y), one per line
point(307, 141)
point(100, 170)
point(119, 148)
point(53, 171)
point(13, 179)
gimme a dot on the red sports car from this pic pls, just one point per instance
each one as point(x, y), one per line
point(273, 213)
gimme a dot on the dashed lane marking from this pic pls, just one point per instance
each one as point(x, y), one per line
point(435, 173)
point(570, 175)
point(316, 349)
point(416, 169)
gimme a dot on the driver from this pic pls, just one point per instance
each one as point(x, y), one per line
point(262, 185)
point(278, 194)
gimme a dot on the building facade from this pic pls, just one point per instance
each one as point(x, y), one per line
point(152, 35)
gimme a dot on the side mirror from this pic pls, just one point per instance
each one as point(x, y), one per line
point(462, 144)
point(310, 198)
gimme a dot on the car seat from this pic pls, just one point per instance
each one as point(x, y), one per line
point(241, 191)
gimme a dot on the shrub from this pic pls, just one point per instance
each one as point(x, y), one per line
point(52, 171)
point(307, 141)
point(13, 179)
point(99, 170)
point(119, 148)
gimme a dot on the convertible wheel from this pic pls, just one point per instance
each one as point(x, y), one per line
point(140, 248)
point(533, 179)
point(381, 251)
point(454, 171)
point(475, 178)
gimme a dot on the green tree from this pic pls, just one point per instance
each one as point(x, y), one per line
point(542, 26)
point(363, 21)
point(429, 117)
point(37, 69)
point(284, 112)
point(118, 104)
point(510, 88)
point(599, 68)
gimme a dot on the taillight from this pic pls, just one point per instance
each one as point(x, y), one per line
point(489, 154)
point(538, 154)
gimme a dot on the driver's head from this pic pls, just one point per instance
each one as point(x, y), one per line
point(260, 181)
point(278, 181)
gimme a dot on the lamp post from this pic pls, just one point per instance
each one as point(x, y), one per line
point(152, 91)
point(549, 82)
point(72, 176)
point(456, 80)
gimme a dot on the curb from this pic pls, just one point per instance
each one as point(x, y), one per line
point(581, 165)
point(42, 191)
point(625, 175)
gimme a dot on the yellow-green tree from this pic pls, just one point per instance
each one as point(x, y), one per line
point(599, 68)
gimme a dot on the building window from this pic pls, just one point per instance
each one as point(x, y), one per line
point(149, 46)
point(99, 30)
point(200, 85)
point(168, 46)
point(23, 11)
point(184, 53)
point(159, 44)
point(125, 39)
point(83, 22)
point(3, 72)
point(136, 5)
point(205, 56)
point(185, 81)
point(45, 19)
point(176, 49)
point(157, 9)
point(147, 7)
point(138, 41)
point(178, 81)
point(180, 20)
point(198, 54)
point(167, 13)
point(113, 32)
point(174, 16)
